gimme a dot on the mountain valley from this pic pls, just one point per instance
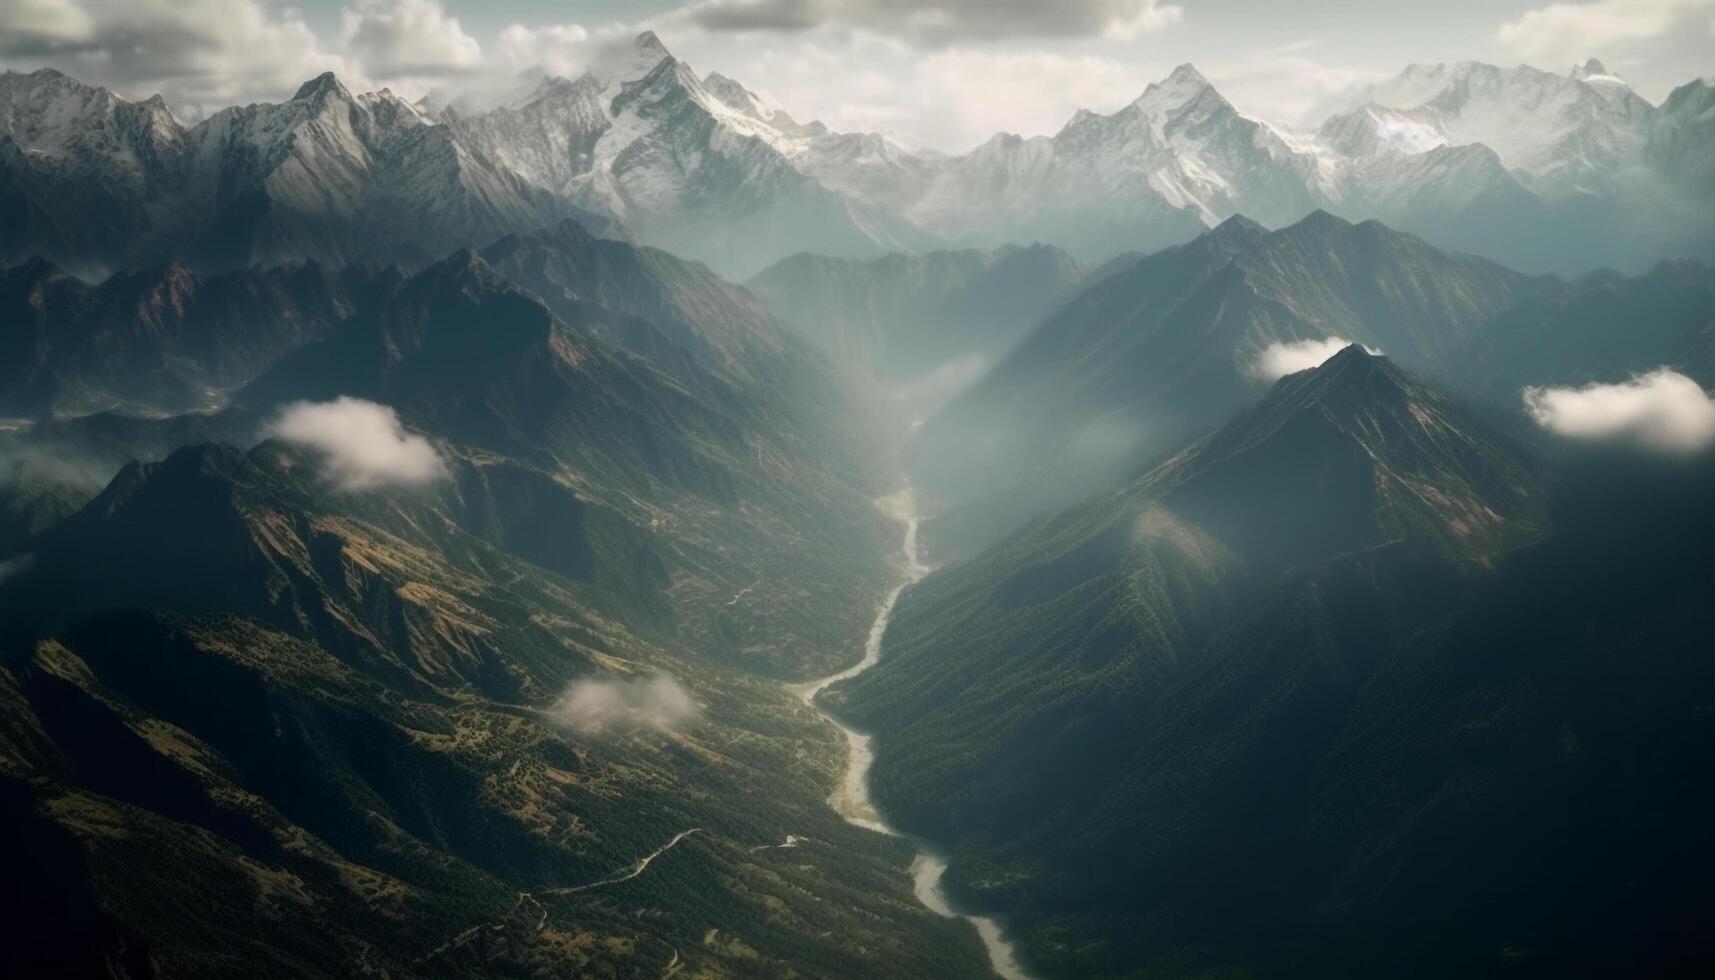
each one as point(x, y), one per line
point(530, 508)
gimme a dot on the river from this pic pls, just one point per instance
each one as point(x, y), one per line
point(851, 798)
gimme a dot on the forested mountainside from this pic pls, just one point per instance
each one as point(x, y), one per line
point(516, 505)
point(433, 722)
point(347, 731)
point(1347, 686)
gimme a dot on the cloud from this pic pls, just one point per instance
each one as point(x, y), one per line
point(561, 49)
point(42, 26)
point(1285, 357)
point(408, 38)
point(1662, 410)
point(204, 55)
point(981, 92)
point(942, 21)
point(1567, 33)
point(362, 443)
point(951, 98)
point(592, 707)
point(201, 54)
point(922, 395)
point(853, 79)
point(11, 568)
point(53, 465)
point(1287, 84)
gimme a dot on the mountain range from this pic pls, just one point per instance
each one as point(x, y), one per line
point(904, 319)
point(304, 701)
point(494, 538)
point(1166, 347)
point(628, 378)
point(280, 729)
point(1346, 687)
point(1541, 171)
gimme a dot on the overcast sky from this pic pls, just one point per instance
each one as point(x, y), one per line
point(940, 73)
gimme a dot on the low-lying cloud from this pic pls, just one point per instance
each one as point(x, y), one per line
point(931, 391)
point(655, 703)
point(1285, 357)
point(11, 568)
point(55, 465)
point(362, 443)
point(1662, 410)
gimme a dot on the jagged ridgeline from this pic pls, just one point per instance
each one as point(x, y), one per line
point(419, 556)
point(681, 403)
point(1544, 171)
point(1166, 347)
point(338, 735)
point(261, 722)
point(936, 320)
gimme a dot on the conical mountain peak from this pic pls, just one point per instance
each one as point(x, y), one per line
point(627, 62)
point(1187, 74)
point(1355, 381)
point(1238, 228)
point(325, 85)
point(1184, 85)
point(1323, 219)
point(1349, 449)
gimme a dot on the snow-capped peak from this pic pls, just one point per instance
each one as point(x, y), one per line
point(1182, 86)
point(1373, 129)
point(323, 86)
point(1563, 133)
point(619, 63)
point(739, 97)
point(1596, 74)
point(762, 109)
point(50, 113)
point(1186, 74)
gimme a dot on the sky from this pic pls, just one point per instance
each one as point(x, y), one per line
point(940, 74)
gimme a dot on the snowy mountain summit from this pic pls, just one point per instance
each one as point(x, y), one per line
point(1542, 170)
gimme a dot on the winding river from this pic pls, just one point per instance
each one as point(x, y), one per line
point(851, 798)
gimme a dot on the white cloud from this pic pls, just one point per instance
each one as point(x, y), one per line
point(204, 55)
point(951, 98)
point(201, 54)
point(1286, 84)
point(38, 26)
point(1566, 33)
point(560, 49)
point(980, 92)
point(408, 38)
point(1662, 410)
point(592, 707)
point(53, 464)
point(1285, 357)
point(852, 79)
point(858, 65)
point(362, 443)
point(942, 21)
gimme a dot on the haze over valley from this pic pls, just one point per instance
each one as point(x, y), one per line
point(482, 497)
